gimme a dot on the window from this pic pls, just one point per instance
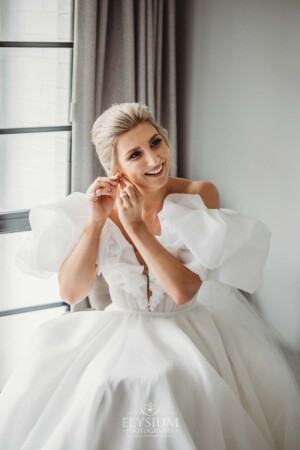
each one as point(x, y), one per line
point(36, 53)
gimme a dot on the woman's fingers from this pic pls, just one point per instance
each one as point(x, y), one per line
point(126, 180)
point(98, 193)
point(126, 201)
point(116, 177)
point(123, 201)
point(132, 191)
point(122, 194)
point(105, 182)
point(129, 187)
point(102, 186)
point(128, 193)
point(95, 195)
point(122, 183)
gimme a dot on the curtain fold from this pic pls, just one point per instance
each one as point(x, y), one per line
point(124, 51)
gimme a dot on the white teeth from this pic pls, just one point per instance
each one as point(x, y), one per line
point(155, 171)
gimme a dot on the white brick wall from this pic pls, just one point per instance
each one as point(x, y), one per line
point(34, 87)
point(34, 91)
point(37, 20)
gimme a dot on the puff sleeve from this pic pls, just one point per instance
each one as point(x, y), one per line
point(55, 230)
point(224, 244)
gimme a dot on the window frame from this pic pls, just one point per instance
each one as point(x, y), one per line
point(18, 221)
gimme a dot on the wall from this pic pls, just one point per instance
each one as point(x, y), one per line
point(238, 92)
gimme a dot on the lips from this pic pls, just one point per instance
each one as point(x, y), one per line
point(157, 168)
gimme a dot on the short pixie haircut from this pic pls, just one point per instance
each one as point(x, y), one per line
point(118, 119)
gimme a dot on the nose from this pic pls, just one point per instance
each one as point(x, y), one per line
point(152, 160)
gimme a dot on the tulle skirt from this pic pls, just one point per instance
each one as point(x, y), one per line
point(210, 377)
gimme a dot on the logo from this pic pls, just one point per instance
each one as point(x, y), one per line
point(150, 421)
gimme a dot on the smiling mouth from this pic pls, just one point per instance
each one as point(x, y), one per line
point(155, 172)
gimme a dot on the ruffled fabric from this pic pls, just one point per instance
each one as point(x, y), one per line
point(217, 244)
point(158, 294)
point(55, 230)
point(241, 394)
point(120, 267)
point(117, 261)
point(222, 244)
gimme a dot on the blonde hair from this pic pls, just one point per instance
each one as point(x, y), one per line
point(114, 121)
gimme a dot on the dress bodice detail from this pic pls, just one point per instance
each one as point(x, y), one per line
point(220, 245)
point(217, 244)
point(120, 267)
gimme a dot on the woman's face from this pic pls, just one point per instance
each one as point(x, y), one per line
point(143, 150)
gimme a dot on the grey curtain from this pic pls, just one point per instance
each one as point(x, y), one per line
point(124, 51)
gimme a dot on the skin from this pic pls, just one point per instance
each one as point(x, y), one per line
point(136, 217)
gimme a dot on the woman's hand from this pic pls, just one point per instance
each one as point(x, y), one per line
point(130, 204)
point(102, 195)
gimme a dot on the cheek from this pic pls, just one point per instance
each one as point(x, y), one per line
point(167, 154)
point(137, 166)
point(134, 171)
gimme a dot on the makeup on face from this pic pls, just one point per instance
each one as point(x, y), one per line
point(143, 154)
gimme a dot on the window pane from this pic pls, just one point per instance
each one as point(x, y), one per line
point(33, 169)
point(35, 20)
point(15, 334)
point(34, 86)
point(17, 289)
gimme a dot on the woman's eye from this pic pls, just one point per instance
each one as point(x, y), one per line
point(134, 153)
point(156, 142)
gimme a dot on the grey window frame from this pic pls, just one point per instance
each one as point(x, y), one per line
point(18, 221)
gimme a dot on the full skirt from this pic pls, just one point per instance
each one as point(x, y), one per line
point(211, 377)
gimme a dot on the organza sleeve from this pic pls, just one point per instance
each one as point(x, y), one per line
point(55, 230)
point(224, 245)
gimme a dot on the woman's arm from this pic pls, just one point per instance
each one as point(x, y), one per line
point(78, 272)
point(177, 280)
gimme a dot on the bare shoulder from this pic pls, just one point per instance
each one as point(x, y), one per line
point(206, 189)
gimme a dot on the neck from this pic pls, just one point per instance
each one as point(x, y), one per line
point(153, 202)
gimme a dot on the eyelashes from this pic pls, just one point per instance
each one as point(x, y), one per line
point(154, 143)
point(134, 153)
point(157, 140)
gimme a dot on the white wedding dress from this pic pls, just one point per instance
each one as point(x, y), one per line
point(205, 375)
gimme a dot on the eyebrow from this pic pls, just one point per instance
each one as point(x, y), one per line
point(137, 148)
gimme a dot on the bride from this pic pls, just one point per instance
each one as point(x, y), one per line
point(179, 359)
point(132, 199)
